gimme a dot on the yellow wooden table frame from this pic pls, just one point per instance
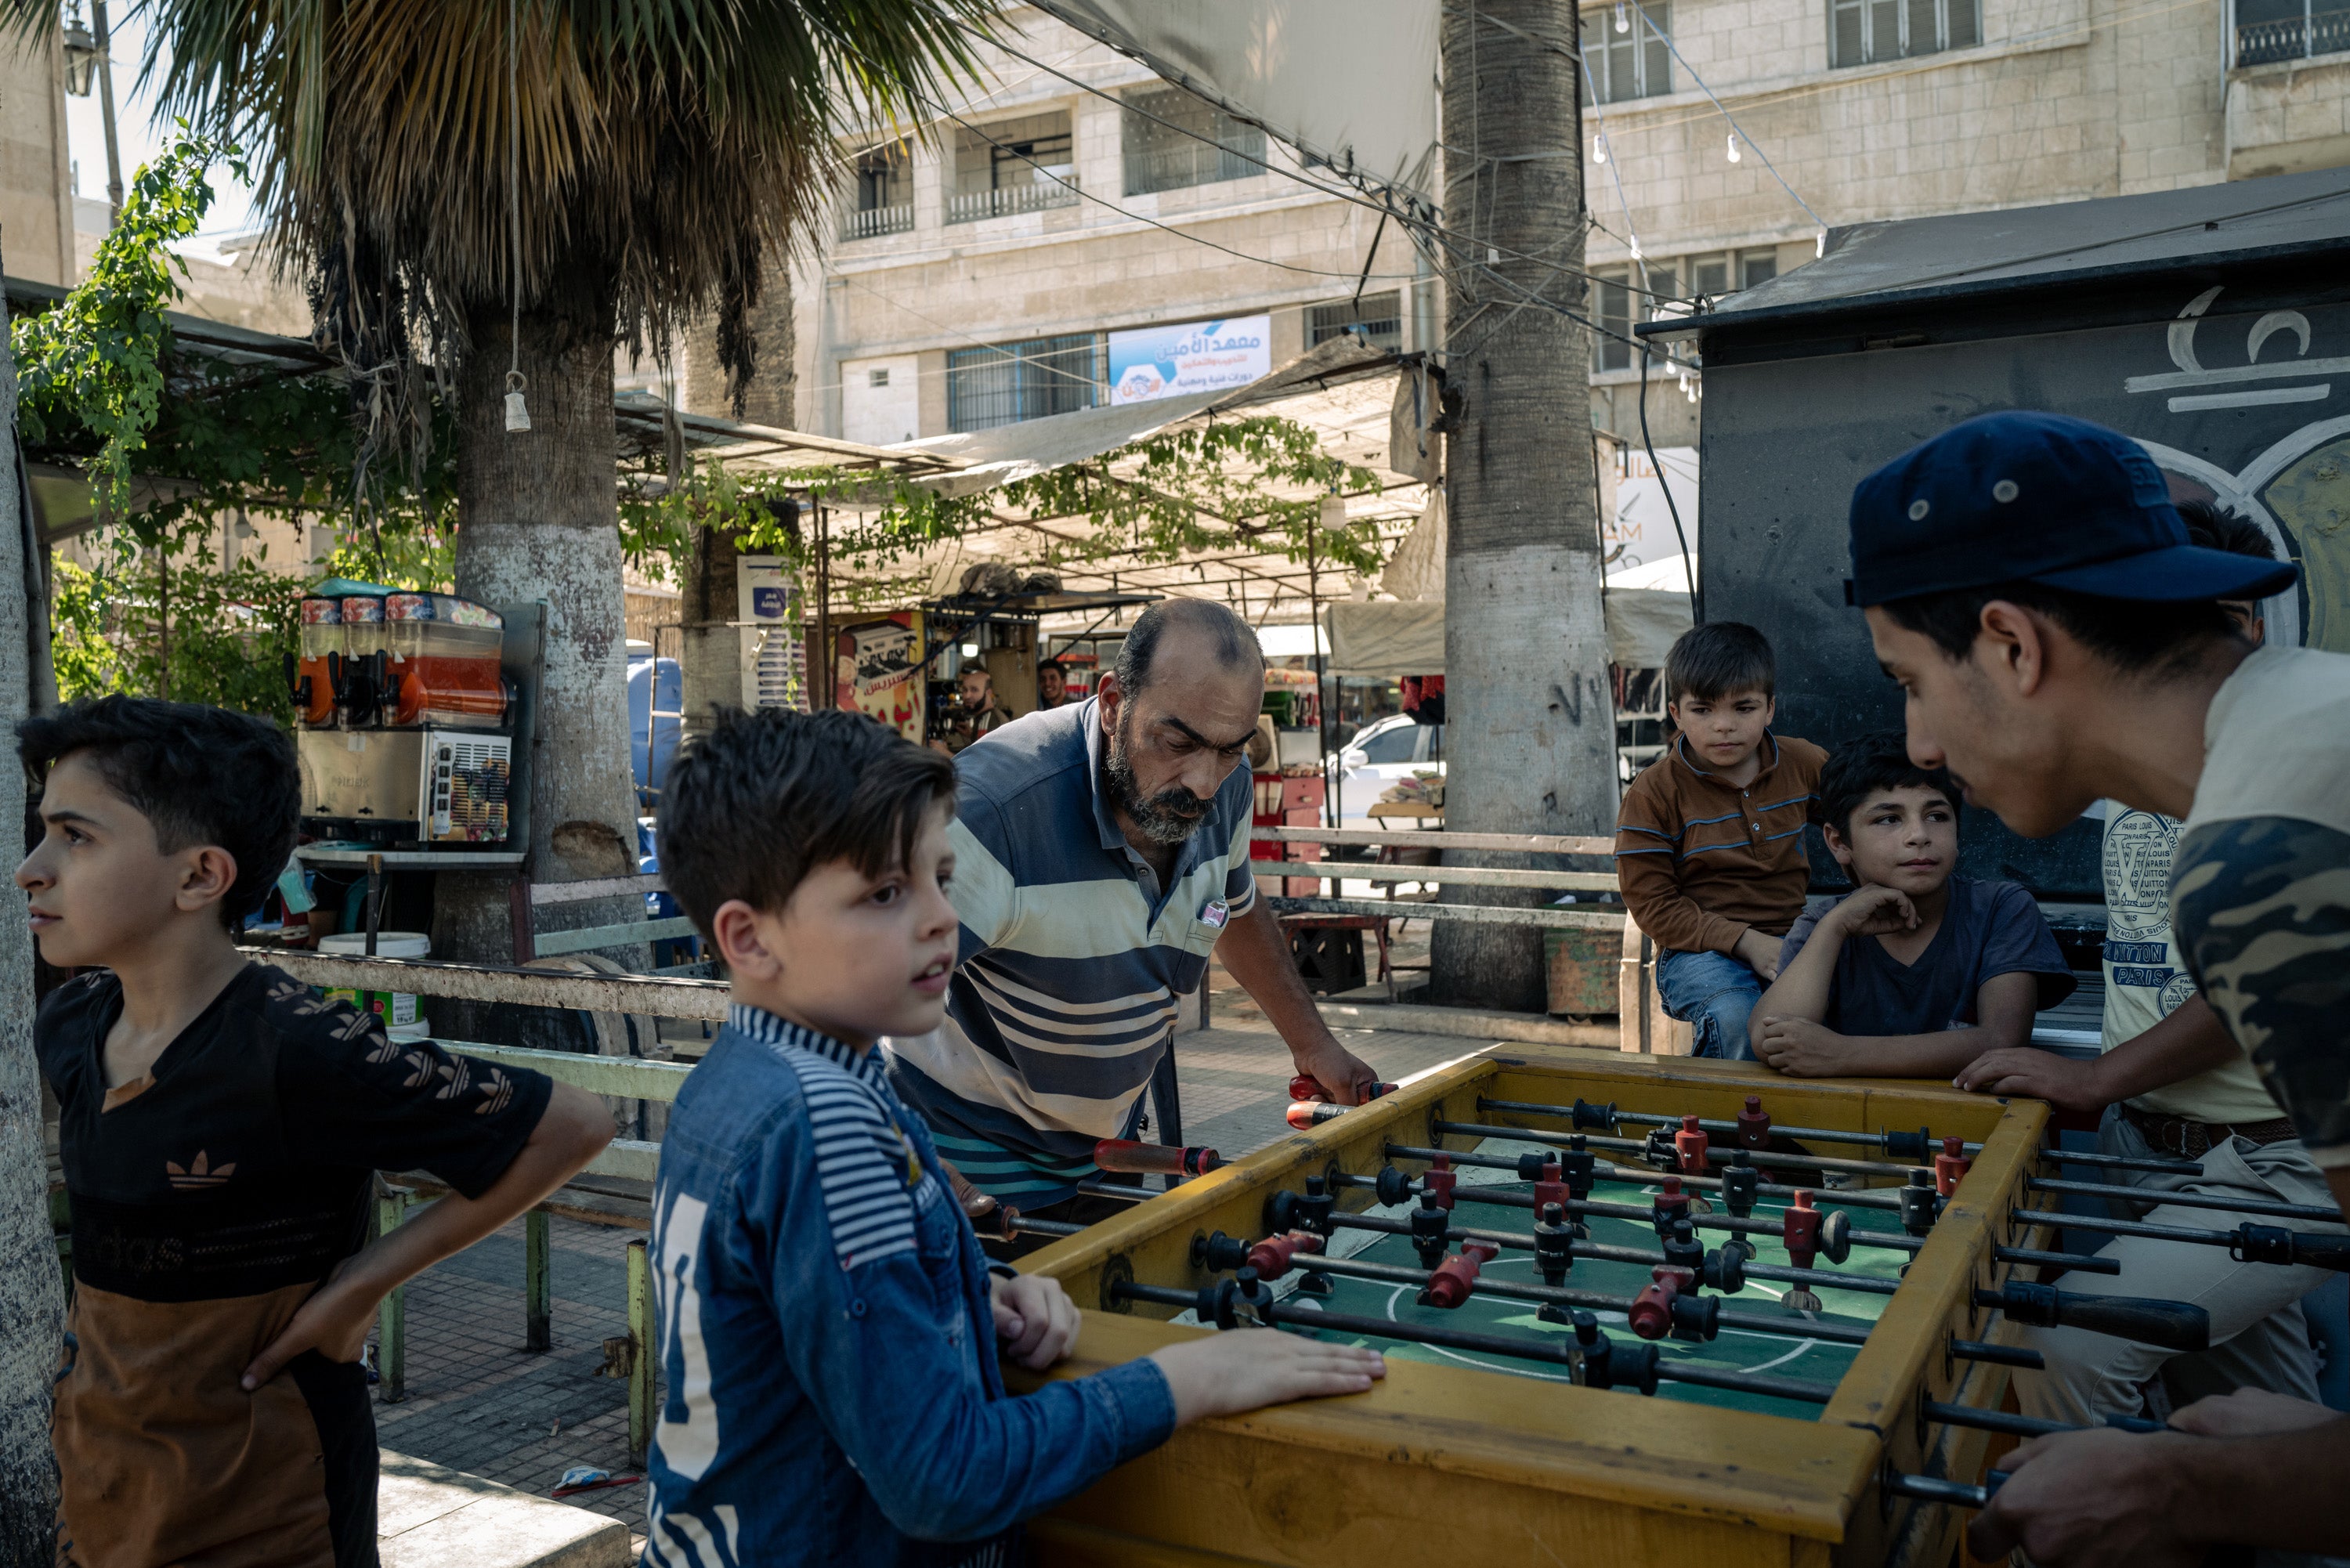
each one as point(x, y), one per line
point(1455, 1468)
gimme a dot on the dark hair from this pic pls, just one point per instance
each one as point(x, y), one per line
point(751, 808)
point(1056, 666)
point(199, 775)
point(1229, 638)
point(1711, 661)
point(1871, 765)
point(2216, 527)
point(2135, 636)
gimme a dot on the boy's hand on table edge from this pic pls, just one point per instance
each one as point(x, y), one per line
point(1800, 1048)
point(2039, 1075)
point(1035, 1322)
point(1227, 1374)
point(334, 1322)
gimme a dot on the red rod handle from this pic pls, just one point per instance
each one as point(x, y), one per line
point(1127, 1156)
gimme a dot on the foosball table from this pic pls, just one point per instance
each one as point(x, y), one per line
point(1635, 1311)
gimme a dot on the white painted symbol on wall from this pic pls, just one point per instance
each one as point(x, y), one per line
point(2192, 372)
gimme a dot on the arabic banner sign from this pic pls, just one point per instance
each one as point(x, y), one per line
point(1189, 357)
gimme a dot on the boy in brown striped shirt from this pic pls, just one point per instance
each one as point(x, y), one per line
point(1710, 838)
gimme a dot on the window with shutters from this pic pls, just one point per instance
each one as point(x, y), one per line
point(1624, 43)
point(1863, 32)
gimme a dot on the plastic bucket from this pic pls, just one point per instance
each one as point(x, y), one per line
point(397, 1009)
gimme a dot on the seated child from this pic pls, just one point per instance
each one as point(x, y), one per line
point(1916, 973)
point(1710, 838)
point(221, 1127)
point(829, 1326)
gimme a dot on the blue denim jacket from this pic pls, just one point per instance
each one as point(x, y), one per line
point(827, 1337)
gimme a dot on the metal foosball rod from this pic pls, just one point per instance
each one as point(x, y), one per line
point(1722, 1276)
point(1715, 1154)
point(1835, 1233)
point(1577, 1144)
point(2156, 1197)
point(1698, 1318)
point(2247, 1243)
point(1591, 1356)
point(1753, 1131)
point(2015, 1426)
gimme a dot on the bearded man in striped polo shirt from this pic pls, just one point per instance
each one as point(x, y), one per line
point(1101, 856)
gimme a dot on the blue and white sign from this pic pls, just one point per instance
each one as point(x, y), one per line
point(1189, 357)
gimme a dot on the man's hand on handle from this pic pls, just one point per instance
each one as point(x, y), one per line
point(1346, 1078)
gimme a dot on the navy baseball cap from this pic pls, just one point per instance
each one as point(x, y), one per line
point(2036, 498)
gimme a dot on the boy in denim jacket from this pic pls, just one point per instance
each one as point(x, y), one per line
point(829, 1326)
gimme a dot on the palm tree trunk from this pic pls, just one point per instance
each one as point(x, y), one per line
point(31, 1299)
point(1530, 744)
point(538, 519)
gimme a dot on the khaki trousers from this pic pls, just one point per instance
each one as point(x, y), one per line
point(2259, 1336)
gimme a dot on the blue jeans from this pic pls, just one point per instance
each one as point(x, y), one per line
point(1715, 993)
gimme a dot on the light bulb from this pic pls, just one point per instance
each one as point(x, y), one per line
point(1598, 150)
point(1733, 147)
point(1623, 22)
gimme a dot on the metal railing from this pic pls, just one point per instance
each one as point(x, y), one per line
point(871, 223)
point(1004, 200)
point(1191, 163)
point(2294, 39)
point(1548, 916)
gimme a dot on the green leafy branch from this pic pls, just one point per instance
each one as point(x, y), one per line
point(102, 354)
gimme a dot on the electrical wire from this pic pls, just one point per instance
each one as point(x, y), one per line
point(1675, 49)
point(1424, 224)
point(1080, 191)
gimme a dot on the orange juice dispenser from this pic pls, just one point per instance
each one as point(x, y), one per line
point(404, 714)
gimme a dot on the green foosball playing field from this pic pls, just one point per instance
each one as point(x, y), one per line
point(1761, 1336)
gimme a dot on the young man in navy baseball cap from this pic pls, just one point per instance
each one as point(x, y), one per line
point(2059, 640)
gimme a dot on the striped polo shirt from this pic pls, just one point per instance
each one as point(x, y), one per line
point(1072, 957)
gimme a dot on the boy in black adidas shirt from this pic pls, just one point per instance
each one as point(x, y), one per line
point(220, 1126)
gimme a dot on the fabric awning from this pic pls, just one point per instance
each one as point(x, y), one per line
point(1391, 638)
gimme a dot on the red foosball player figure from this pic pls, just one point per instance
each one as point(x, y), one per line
point(1457, 1275)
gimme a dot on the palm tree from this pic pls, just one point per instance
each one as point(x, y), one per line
point(1531, 744)
point(468, 212)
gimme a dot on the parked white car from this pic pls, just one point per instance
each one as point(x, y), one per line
point(1382, 753)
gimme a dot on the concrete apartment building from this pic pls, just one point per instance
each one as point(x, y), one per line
point(959, 288)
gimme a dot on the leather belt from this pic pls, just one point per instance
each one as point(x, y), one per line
point(2191, 1140)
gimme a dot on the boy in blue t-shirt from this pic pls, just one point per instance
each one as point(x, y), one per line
point(1916, 973)
point(828, 1325)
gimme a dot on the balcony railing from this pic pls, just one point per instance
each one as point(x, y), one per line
point(2294, 38)
point(971, 206)
point(1179, 168)
point(873, 222)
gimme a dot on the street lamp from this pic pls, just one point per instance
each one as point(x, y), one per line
point(81, 53)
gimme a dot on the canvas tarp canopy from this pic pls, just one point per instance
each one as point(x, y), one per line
point(1396, 637)
point(1343, 391)
point(1350, 83)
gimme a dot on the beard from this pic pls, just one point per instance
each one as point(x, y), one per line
point(1167, 818)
